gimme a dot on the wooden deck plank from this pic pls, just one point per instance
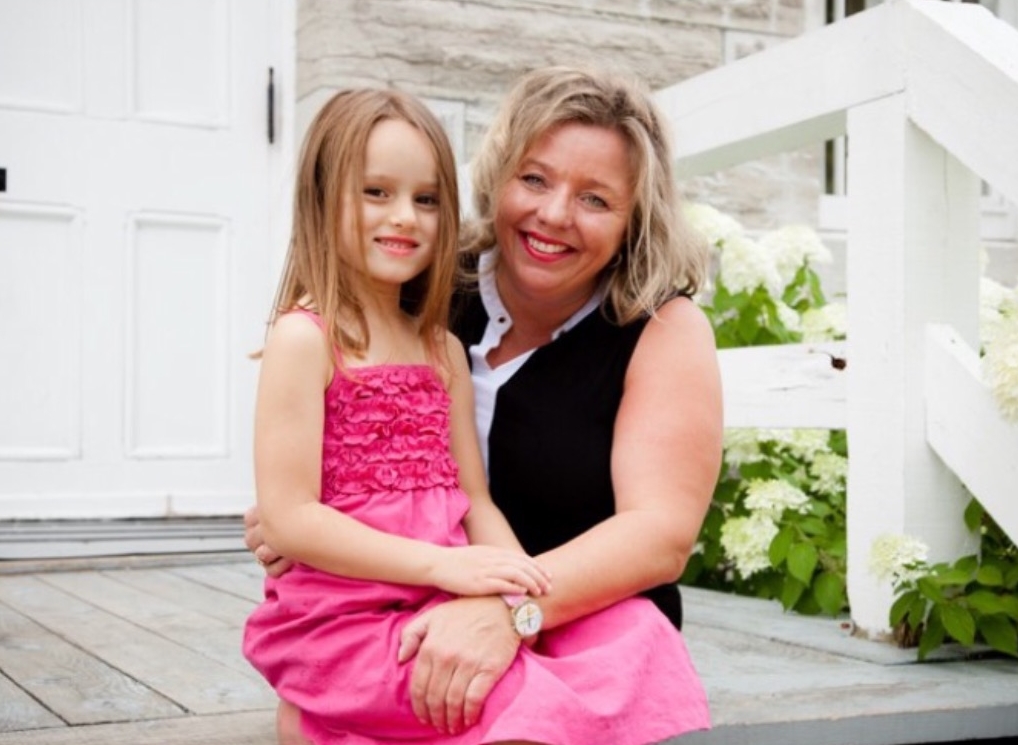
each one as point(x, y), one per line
point(134, 603)
point(187, 592)
point(73, 685)
point(193, 615)
point(249, 728)
point(18, 709)
point(188, 678)
point(242, 579)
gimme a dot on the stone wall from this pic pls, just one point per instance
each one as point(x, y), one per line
point(463, 56)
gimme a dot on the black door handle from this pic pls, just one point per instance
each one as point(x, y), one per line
point(3, 179)
point(271, 101)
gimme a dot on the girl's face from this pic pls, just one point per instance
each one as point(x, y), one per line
point(399, 213)
point(562, 217)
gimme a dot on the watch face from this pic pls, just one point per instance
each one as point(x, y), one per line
point(527, 618)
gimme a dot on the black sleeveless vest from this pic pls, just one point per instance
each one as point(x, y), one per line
point(549, 449)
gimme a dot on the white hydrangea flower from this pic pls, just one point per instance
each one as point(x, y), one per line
point(771, 497)
point(997, 304)
point(744, 266)
point(807, 443)
point(742, 446)
point(745, 540)
point(715, 226)
point(826, 323)
point(1000, 367)
point(897, 558)
point(792, 246)
point(788, 316)
point(830, 472)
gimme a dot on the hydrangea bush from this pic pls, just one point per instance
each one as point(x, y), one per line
point(776, 526)
point(971, 601)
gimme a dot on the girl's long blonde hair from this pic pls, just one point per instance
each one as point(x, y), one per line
point(659, 256)
point(330, 176)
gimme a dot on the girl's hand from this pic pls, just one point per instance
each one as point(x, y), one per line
point(273, 564)
point(487, 570)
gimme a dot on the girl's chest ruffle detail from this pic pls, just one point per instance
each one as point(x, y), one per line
point(386, 429)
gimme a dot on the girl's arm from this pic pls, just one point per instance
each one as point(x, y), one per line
point(485, 524)
point(289, 416)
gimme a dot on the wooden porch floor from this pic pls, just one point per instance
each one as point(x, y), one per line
point(145, 650)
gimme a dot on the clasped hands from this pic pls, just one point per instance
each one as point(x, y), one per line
point(462, 648)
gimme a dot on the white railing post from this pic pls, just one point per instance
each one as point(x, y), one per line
point(911, 259)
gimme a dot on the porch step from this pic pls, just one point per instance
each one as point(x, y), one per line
point(64, 539)
point(776, 678)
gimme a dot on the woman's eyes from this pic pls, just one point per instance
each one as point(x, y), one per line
point(536, 181)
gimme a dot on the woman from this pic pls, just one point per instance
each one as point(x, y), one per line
point(597, 386)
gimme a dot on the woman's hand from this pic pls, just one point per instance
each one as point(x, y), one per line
point(273, 563)
point(487, 570)
point(463, 647)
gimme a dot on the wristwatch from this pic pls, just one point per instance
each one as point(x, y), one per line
point(526, 615)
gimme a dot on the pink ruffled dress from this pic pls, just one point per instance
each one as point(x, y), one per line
point(328, 644)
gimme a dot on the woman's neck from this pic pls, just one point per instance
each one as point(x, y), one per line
point(537, 318)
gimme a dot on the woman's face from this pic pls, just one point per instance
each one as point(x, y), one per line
point(562, 216)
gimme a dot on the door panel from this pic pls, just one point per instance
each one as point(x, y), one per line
point(134, 257)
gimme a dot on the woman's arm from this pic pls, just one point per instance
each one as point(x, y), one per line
point(666, 457)
point(289, 416)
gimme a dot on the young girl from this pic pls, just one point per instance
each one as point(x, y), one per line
point(369, 474)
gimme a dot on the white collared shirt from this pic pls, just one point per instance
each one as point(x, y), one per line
point(488, 380)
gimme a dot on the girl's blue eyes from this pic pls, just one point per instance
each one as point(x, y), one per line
point(425, 200)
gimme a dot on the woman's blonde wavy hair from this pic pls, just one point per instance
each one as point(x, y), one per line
point(659, 256)
point(331, 167)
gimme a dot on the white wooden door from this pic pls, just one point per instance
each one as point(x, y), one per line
point(134, 253)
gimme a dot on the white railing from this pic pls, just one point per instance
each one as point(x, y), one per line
point(927, 93)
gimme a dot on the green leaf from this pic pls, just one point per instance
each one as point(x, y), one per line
point(1011, 577)
point(990, 576)
point(952, 577)
point(901, 606)
point(933, 636)
point(968, 564)
point(986, 602)
point(812, 526)
point(959, 623)
point(1009, 604)
point(917, 610)
point(973, 515)
point(749, 328)
point(778, 549)
point(807, 604)
point(802, 560)
point(930, 590)
point(1000, 633)
point(829, 591)
point(791, 592)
